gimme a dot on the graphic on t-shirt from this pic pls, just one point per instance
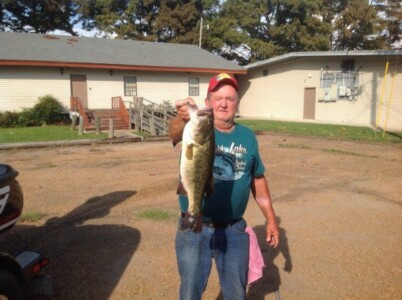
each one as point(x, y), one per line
point(229, 162)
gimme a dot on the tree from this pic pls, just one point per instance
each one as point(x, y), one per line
point(392, 15)
point(40, 16)
point(362, 24)
point(299, 26)
point(152, 20)
point(353, 23)
point(249, 31)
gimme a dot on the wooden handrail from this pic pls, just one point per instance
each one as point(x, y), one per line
point(75, 104)
point(118, 104)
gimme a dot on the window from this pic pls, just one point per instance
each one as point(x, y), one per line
point(193, 87)
point(130, 86)
point(339, 85)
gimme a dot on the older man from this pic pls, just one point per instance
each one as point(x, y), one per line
point(237, 170)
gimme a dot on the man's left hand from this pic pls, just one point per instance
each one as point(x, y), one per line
point(272, 234)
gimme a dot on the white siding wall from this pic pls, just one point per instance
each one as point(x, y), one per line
point(156, 87)
point(280, 95)
point(21, 87)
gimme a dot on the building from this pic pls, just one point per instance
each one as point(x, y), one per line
point(361, 88)
point(95, 70)
point(354, 88)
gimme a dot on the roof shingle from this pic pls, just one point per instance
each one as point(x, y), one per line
point(67, 49)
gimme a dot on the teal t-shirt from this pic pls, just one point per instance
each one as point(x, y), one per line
point(237, 161)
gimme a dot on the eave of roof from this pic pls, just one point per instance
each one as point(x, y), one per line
point(23, 49)
point(21, 63)
point(345, 54)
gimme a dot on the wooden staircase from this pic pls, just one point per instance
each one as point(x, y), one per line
point(118, 114)
point(144, 115)
point(104, 116)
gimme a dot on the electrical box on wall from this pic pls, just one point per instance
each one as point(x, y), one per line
point(342, 91)
point(327, 94)
point(334, 92)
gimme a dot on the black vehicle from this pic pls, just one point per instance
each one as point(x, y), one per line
point(17, 270)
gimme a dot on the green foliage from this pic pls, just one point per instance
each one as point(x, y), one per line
point(8, 119)
point(39, 16)
point(167, 105)
point(352, 25)
point(44, 134)
point(31, 216)
point(322, 130)
point(241, 31)
point(47, 111)
point(156, 214)
point(154, 20)
point(26, 118)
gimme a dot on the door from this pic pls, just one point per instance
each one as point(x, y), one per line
point(309, 103)
point(79, 88)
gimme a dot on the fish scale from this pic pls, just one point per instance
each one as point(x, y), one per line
point(196, 163)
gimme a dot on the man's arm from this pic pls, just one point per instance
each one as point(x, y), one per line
point(260, 190)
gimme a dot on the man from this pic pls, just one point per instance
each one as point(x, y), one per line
point(237, 170)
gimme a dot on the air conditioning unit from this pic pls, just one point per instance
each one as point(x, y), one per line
point(342, 91)
point(327, 94)
point(334, 91)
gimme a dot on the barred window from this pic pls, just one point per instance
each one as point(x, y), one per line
point(130, 86)
point(193, 87)
point(340, 85)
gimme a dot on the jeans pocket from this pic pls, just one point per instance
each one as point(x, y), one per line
point(239, 227)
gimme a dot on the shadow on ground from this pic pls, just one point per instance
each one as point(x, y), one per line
point(86, 260)
point(271, 280)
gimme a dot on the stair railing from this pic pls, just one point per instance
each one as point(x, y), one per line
point(151, 117)
point(118, 104)
point(76, 105)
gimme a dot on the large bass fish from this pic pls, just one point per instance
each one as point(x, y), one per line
point(196, 163)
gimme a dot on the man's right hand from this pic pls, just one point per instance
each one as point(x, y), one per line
point(181, 107)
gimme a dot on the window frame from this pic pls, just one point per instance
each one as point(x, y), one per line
point(130, 91)
point(194, 86)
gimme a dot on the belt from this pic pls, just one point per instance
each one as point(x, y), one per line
point(215, 224)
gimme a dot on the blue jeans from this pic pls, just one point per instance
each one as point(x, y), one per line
point(195, 251)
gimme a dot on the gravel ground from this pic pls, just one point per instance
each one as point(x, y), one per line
point(338, 204)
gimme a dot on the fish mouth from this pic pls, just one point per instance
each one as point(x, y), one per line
point(206, 111)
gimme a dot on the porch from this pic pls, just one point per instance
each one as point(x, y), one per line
point(140, 115)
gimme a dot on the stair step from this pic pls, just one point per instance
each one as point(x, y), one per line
point(105, 115)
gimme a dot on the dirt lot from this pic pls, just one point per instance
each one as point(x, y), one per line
point(339, 206)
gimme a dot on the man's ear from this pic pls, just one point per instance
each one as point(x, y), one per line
point(206, 101)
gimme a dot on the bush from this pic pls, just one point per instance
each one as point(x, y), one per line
point(26, 118)
point(48, 110)
point(8, 119)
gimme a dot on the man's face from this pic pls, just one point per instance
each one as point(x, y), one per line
point(224, 103)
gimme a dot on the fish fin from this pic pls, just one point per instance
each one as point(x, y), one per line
point(178, 146)
point(181, 190)
point(176, 128)
point(189, 152)
point(209, 189)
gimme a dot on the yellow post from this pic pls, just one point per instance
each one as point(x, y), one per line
point(390, 100)
point(382, 96)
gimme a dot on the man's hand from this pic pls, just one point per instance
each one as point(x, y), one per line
point(272, 234)
point(182, 108)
